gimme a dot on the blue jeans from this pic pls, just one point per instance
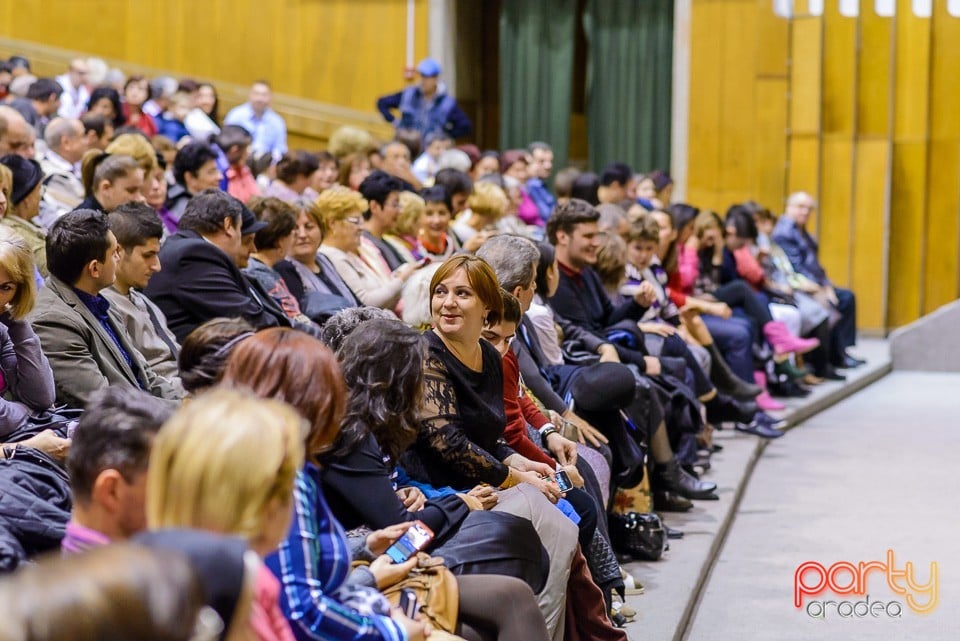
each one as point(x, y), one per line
point(733, 338)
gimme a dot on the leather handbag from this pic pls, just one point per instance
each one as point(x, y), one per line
point(438, 593)
point(641, 535)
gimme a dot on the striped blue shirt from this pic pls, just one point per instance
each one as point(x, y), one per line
point(312, 563)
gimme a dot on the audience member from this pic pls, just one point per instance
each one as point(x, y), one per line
point(273, 243)
point(122, 591)
point(86, 343)
point(267, 127)
point(138, 232)
point(382, 193)
point(75, 96)
point(313, 561)
point(26, 380)
point(108, 466)
point(309, 274)
point(97, 131)
point(200, 277)
point(24, 210)
point(40, 104)
point(426, 107)
point(203, 121)
point(541, 166)
point(252, 449)
point(792, 236)
point(136, 91)
point(294, 175)
point(105, 101)
point(16, 134)
point(60, 162)
point(427, 164)
point(234, 143)
point(110, 181)
point(342, 216)
point(205, 351)
point(194, 170)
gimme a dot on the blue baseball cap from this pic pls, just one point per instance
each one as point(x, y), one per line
point(429, 68)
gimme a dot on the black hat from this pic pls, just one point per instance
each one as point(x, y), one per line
point(26, 176)
point(250, 224)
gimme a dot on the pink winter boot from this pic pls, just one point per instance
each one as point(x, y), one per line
point(784, 342)
point(765, 401)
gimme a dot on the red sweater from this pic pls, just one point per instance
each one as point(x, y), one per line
point(520, 410)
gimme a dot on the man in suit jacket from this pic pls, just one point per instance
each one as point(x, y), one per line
point(200, 277)
point(85, 342)
point(800, 247)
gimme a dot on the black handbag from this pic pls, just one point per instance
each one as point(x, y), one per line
point(641, 535)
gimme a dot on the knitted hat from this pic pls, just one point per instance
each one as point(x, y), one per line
point(26, 176)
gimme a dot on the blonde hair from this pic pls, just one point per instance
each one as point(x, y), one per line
point(220, 460)
point(338, 202)
point(137, 147)
point(17, 258)
point(348, 140)
point(6, 184)
point(488, 200)
point(412, 207)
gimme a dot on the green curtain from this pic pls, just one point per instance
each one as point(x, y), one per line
point(629, 79)
point(536, 73)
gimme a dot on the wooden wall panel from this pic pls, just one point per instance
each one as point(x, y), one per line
point(942, 228)
point(341, 52)
point(868, 267)
point(908, 194)
point(706, 125)
point(872, 166)
point(837, 152)
point(770, 150)
point(836, 201)
point(737, 160)
point(872, 131)
point(806, 68)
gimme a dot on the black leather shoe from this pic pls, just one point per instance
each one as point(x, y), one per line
point(673, 478)
point(723, 408)
point(849, 362)
point(672, 533)
point(758, 428)
point(787, 389)
point(831, 374)
point(669, 502)
point(692, 488)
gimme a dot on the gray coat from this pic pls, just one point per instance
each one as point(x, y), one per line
point(83, 356)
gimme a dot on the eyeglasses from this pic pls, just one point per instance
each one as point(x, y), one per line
point(354, 220)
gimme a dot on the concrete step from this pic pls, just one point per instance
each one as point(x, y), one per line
point(673, 585)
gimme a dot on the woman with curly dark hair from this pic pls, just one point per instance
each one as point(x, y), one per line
point(382, 365)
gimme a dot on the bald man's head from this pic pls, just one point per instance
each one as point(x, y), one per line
point(16, 134)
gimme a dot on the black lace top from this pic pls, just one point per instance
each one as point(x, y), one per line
point(462, 421)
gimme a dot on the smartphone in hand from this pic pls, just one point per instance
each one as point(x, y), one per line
point(412, 541)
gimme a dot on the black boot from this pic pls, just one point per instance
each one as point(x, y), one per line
point(723, 408)
point(672, 477)
point(664, 489)
point(724, 378)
